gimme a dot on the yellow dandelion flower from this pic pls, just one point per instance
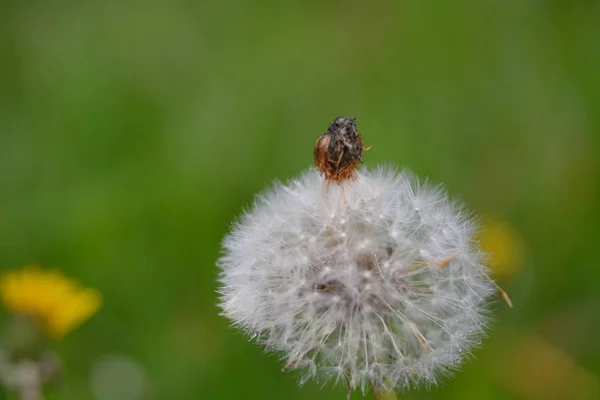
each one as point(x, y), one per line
point(505, 246)
point(57, 302)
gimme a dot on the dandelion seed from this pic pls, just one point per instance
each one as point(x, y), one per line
point(391, 293)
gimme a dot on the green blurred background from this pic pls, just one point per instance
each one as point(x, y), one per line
point(133, 133)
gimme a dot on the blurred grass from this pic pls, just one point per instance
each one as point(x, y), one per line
point(132, 134)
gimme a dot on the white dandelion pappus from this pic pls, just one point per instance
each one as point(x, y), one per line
point(375, 283)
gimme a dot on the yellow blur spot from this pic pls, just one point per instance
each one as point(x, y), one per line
point(57, 302)
point(537, 370)
point(504, 246)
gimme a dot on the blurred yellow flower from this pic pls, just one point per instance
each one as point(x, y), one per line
point(537, 370)
point(56, 301)
point(504, 245)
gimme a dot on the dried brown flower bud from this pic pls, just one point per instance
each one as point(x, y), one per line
point(339, 150)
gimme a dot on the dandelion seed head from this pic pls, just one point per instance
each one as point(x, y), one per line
point(376, 282)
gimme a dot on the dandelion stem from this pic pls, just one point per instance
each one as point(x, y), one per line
point(382, 394)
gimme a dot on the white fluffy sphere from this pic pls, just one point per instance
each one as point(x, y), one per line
point(375, 283)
